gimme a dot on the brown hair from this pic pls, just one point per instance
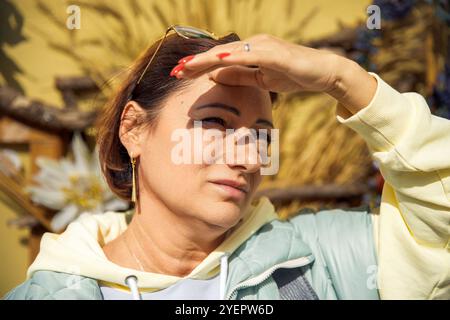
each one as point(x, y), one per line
point(155, 86)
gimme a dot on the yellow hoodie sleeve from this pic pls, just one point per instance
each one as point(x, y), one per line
point(412, 148)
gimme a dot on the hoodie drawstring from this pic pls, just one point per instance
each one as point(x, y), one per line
point(131, 282)
point(223, 275)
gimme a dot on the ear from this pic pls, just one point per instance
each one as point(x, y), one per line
point(130, 132)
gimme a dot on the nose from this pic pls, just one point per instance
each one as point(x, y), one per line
point(244, 154)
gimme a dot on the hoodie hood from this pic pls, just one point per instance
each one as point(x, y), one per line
point(78, 250)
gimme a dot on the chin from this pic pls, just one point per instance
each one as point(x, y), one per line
point(223, 213)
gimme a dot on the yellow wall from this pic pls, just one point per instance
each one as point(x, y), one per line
point(14, 256)
point(40, 65)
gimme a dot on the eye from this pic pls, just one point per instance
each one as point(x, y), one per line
point(267, 136)
point(214, 120)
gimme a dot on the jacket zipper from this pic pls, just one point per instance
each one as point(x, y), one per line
point(295, 263)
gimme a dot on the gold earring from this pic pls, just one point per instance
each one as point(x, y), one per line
point(133, 190)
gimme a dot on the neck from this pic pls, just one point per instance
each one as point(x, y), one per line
point(160, 241)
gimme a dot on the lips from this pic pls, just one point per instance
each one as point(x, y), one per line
point(234, 189)
point(242, 186)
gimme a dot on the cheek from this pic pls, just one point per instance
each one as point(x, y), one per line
point(257, 178)
point(163, 174)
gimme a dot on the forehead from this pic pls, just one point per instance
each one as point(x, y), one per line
point(250, 101)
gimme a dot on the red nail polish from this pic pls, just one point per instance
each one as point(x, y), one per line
point(179, 74)
point(176, 69)
point(223, 55)
point(186, 59)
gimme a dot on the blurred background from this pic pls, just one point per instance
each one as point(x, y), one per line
point(60, 60)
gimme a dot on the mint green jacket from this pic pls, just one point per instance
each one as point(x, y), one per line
point(335, 249)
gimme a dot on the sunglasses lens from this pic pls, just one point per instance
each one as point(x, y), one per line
point(190, 32)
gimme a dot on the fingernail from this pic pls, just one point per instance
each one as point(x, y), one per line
point(186, 59)
point(223, 55)
point(179, 74)
point(177, 68)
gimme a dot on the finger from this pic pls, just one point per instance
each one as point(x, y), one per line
point(232, 75)
point(190, 74)
point(210, 56)
point(238, 76)
point(210, 60)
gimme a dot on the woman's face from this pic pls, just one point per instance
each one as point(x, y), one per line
point(199, 188)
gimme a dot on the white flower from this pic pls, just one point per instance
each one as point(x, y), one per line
point(12, 157)
point(73, 186)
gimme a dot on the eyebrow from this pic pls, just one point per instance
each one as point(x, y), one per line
point(233, 110)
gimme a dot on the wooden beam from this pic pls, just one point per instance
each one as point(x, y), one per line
point(313, 192)
point(71, 86)
point(76, 83)
point(15, 193)
point(12, 131)
point(43, 116)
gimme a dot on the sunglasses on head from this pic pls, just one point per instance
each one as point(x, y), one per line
point(185, 32)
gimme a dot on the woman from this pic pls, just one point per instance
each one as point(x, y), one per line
point(196, 232)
